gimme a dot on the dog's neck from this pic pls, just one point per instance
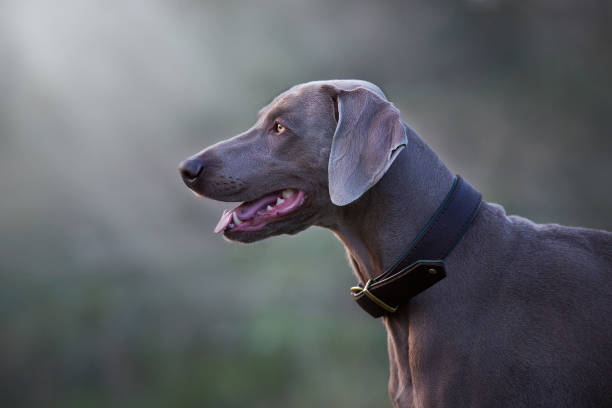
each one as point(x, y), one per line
point(377, 228)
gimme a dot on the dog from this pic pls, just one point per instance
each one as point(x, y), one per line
point(524, 315)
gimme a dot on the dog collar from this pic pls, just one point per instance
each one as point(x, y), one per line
point(422, 264)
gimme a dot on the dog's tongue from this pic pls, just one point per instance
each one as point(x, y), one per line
point(224, 221)
point(244, 211)
point(247, 210)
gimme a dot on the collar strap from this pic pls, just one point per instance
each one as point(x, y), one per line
point(422, 264)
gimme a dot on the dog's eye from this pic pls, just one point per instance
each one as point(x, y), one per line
point(278, 128)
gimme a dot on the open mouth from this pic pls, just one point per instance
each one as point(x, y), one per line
point(255, 215)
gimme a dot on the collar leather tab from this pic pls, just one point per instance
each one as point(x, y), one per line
point(422, 265)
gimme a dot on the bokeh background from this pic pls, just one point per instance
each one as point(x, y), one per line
point(114, 290)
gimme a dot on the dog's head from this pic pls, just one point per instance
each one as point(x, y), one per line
point(315, 147)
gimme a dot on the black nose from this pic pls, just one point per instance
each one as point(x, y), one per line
point(190, 168)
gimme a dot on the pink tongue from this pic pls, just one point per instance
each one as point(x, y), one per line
point(248, 210)
point(224, 221)
point(244, 211)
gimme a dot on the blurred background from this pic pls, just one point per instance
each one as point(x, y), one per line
point(114, 290)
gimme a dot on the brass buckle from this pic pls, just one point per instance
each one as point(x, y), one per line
point(358, 290)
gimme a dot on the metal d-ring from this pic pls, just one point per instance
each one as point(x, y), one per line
point(358, 290)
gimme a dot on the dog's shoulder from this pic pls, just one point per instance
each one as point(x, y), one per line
point(564, 246)
point(560, 244)
point(543, 258)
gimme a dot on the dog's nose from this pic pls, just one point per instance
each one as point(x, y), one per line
point(190, 168)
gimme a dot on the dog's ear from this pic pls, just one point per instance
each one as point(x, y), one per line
point(368, 138)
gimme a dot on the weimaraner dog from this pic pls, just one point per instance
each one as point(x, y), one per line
point(524, 315)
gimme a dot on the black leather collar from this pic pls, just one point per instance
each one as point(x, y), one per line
point(422, 265)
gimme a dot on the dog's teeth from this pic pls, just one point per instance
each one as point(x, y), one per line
point(269, 207)
point(279, 200)
point(237, 220)
point(287, 193)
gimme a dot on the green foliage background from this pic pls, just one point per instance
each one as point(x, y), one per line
point(113, 289)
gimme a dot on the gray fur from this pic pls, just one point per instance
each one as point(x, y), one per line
point(368, 138)
point(523, 317)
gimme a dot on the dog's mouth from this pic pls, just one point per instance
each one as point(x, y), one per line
point(255, 215)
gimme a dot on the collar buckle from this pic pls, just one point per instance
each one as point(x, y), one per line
point(358, 290)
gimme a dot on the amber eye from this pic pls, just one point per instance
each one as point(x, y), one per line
point(278, 128)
